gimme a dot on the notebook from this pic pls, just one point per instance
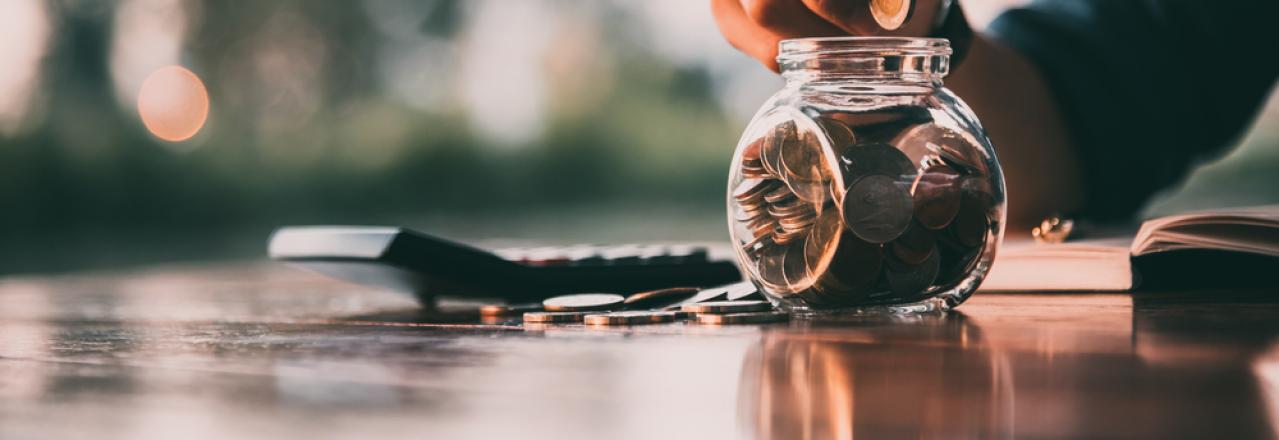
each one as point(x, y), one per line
point(1219, 248)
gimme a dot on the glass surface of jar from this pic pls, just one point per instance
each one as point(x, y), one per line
point(864, 183)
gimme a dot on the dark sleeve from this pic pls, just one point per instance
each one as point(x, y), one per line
point(1148, 87)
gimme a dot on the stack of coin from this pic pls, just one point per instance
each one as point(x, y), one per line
point(902, 212)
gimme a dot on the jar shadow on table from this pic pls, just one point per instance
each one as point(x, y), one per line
point(903, 379)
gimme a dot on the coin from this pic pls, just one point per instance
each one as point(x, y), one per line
point(754, 189)
point(877, 209)
point(856, 263)
point(742, 318)
point(508, 309)
point(795, 267)
point(779, 195)
point(762, 227)
point(909, 280)
point(914, 246)
point(560, 317)
point(947, 145)
point(881, 124)
point(771, 150)
point(635, 317)
point(742, 291)
point(660, 297)
point(970, 225)
point(727, 307)
point(891, 14)
point(878, 159)
point(582, 302)
point(751, 152)
point(823, 238)
point(840, 135)
point(785, 237)
point(804, 168)
point(936, 196)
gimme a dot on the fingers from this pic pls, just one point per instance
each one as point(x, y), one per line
point(789, 18)
point(852, 17)
point(744, 34)
point(757, 28)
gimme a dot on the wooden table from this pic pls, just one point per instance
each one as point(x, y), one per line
point(262, 351)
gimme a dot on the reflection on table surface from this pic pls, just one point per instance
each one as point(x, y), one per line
point(264, 351)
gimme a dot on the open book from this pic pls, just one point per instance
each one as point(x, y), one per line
point(1228, 248)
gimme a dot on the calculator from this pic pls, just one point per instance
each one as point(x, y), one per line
point(412, 262)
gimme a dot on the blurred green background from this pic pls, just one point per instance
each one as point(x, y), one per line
point(555, 121)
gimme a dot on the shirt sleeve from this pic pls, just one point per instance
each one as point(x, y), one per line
point(1147, 87)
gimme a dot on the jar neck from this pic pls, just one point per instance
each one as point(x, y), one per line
point(877, 60)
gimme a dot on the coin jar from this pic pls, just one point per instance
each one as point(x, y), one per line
point(864, 182)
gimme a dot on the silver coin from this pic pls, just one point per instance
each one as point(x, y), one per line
point(583, 302)
point(727, 307)
point(877, 208)
point(557, 317)
point(742, 291)
point(908, 280)
point(635, 317)
point(742, 318)
point(660, 297)
point(508, 309)
point(717, 293)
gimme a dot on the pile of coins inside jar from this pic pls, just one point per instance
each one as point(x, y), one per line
point(896, 208)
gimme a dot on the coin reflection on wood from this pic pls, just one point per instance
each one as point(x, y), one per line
point(900, 209)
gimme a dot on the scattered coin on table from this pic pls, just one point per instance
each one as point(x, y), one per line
point(583, 302)
point(554, 317)
point(635, 317)
point(741, 318)
point(660, 297)
point(728, 306)
point(508, 309)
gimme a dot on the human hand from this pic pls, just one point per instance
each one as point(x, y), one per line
point(756, 26)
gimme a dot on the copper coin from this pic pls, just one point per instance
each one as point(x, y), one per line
point(660, 297)
point(856, 263)
point(753, 189)
point(770, 267)
point(795, 267)
point(583, 302)
point(560, 317)
point(779, 195)
point(771, 150)
point(635, 317)
point(936, 196)
point(727, 307)
point(508, 309)
point(914, 246)
point(878, 159)
point(742, 318)
point(839, 135)
point(877, 208)
point(823, 238)
point(751, 152)
point(911, 280)
point(971, 224)
point(944, 143)
point(805, 169)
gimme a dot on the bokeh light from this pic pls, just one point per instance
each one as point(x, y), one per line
point(173, 103)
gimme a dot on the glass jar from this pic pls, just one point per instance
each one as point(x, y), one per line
point(865, 182)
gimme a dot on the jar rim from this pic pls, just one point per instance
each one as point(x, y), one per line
point(794, 48)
